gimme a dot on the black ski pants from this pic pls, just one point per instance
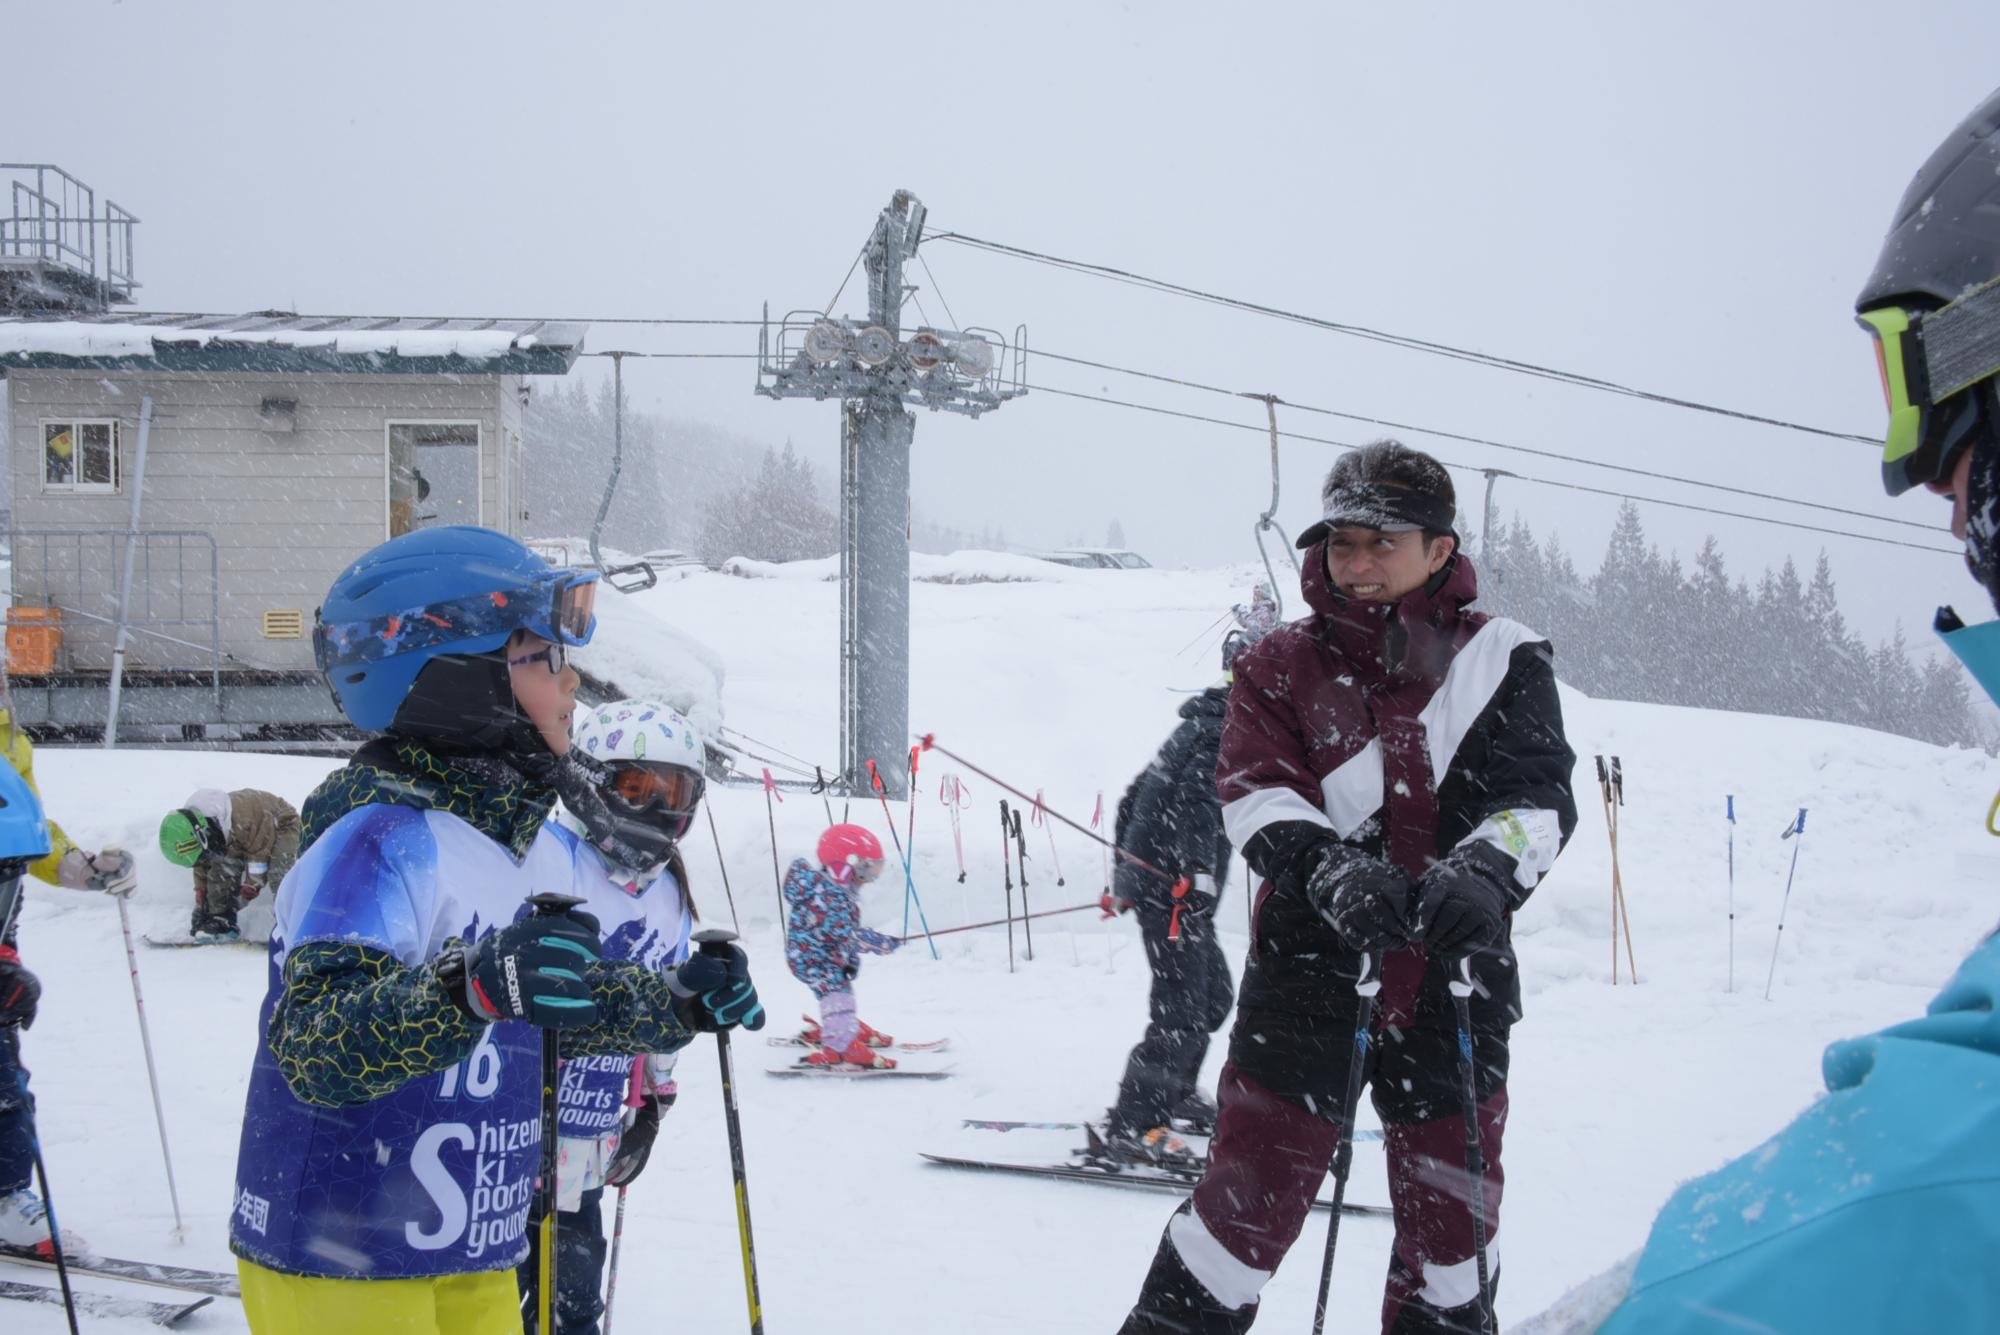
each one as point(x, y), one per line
point(1190, 1000)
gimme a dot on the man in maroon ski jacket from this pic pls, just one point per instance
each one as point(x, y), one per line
point(1394, 769)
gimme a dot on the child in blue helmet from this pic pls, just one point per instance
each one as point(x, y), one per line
point(392, 1133)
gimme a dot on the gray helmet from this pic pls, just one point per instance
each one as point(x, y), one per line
point(1945, 238)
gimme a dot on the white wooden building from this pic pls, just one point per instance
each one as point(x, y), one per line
point(279, 448)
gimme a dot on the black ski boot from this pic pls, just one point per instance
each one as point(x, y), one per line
point(1116, 1146)
point(1195, 1115)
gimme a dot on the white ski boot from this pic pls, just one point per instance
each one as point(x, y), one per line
point(24, 1226)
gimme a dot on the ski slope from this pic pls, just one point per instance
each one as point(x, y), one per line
point(1068, 685)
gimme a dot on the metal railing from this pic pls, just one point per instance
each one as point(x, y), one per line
point(53, 219)
point(176, 586)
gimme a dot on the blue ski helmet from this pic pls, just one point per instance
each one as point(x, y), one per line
point(452, 590)
point(24, 833)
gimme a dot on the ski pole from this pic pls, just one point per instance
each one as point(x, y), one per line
point(1009, 922)
point(546, 1229)
point(910, 839)
point(1021, 852)
point(1798, 828)
point(952, 793)
point(1475, 1154)
point(909, 874)
point(1618, 876)
point(1055, 858)
point(611, 1278)
point(714, 834)
point(715, 941)
point(13, 1035)
point(771, 818)
point(1732, 893)
point(152, 1071)
point(1365, 989)
point(633, 1099)
point(930, 743)
point(1007, 871)
point(1097, 822)
point(819, 786)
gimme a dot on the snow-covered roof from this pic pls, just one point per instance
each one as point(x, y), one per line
point(281, 341)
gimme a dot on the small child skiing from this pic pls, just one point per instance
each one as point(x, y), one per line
point(237, 844)
point(824, 942)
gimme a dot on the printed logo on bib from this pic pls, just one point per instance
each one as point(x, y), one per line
point(593, 1094)
point(497, 1212)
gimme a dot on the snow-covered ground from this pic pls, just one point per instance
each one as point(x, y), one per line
point(1067, 685)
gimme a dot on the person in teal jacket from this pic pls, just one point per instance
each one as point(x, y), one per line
point(1878, 1209)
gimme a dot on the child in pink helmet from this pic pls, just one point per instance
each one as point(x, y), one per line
point(824, 942)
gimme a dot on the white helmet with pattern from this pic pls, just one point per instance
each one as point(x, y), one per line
point(651, 758)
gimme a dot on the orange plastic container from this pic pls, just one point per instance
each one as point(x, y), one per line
point(34, 638)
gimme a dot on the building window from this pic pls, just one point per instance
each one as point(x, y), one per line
point(433, 475)
point(80, 456)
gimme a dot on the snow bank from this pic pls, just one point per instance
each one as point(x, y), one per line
point(968, 567)
point(642, 654)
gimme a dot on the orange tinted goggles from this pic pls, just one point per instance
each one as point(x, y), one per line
point(641, 786)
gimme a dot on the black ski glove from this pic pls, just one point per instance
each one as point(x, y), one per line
point(20, 991)
point(529, 970)
point(1365, 899)
point(1462, 901)
point(713, 991)
point(637, 1142)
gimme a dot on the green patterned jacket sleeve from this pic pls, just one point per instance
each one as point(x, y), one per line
point(635, 1013)
point(354, 1023)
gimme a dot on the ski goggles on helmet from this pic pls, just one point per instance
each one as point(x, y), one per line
point(560, 607)
point(866, 869)
point(1926, 358)
point(639, 786)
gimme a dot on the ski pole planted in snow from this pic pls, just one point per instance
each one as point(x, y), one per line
point(715, 941)
point(12, 1034)
point(611, 1273)
point(910, 840)
point(152, 1072)
point(1475, 1153)
point(1611, 788)
point(909, 874)
point(952, 793)
point(771, 794)
point(1040, 818)
point(1021, 856)
point(1365, 989)
point(1797, 829)
point(1732, 893)
point(1007, 871)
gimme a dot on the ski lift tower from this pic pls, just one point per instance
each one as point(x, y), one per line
point(875, 372)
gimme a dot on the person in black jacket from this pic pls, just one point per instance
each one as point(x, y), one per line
point(1171, 817)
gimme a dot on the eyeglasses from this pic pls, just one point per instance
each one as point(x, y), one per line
point(1924, 358)
point(642, 787)
point(553, 651)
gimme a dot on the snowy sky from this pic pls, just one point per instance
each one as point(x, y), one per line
point(1683, 198)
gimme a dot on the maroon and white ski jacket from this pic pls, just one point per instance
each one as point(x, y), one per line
point(1398, 730)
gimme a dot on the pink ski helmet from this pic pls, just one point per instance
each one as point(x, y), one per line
point(850, 853)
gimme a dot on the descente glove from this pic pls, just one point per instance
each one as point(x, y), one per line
point(1365, 899)
point(713, 991)
point(530, 970)
point(1463, 899)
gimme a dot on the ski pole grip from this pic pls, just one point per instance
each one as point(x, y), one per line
point(548, 904)
point(713, 940)
point(1732, 808)
point(1800, 828)
point(1370, 981)
point(1602, 776)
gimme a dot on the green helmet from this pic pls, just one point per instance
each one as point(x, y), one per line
point(184, 837)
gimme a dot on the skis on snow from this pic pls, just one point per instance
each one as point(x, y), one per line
point(215, 1283)
point(801, 1041)
point(1041, 1158)
point(104, 1305)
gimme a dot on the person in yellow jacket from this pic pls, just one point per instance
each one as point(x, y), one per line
point(24, 1218)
